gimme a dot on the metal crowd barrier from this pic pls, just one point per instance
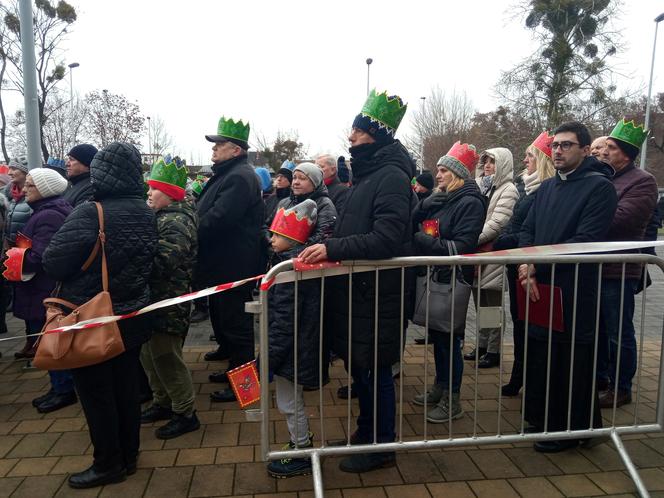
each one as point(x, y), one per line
point(613, 429)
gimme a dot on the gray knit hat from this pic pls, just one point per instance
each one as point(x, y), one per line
point(313, 172)
point(20, 162)
point(460, 160)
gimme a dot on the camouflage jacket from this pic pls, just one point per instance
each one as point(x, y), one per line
point(173, 265)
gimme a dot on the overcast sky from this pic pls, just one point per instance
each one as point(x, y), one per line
point(300, 65)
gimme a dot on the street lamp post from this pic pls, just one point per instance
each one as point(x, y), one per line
point(71, 84)
point(644, 150)
point(149, 139)
point(369, 61)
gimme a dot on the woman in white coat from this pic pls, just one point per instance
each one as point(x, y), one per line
point(496, 183)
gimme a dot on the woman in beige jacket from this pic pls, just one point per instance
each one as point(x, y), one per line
point(496, 183)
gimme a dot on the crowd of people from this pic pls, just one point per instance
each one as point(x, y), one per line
point(166, 235)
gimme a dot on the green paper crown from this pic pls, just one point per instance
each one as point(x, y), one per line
point(629, 132)
point(388, 111)
point(170, 170)
point(231, 129)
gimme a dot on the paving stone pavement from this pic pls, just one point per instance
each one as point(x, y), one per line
point(223, 458)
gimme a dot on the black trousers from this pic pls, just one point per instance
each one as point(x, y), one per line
point(109, 396)
point(582, 384)
point(233, 328)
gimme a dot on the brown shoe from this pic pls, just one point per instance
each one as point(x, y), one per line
point(28, 351)
point(623, 398)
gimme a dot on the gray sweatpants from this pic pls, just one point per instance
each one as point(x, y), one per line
point(296, 418)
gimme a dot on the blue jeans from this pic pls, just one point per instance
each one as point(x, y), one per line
point(441, 356)
point(363, 380)
point(607, 353)
point(61, 381)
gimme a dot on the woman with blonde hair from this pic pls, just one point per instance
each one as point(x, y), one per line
point(449, 221)
point(539, 167)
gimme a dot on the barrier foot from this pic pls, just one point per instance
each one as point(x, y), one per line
point(319, 491)
point(634, 474)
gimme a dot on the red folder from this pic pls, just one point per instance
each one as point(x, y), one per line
point(538, 312)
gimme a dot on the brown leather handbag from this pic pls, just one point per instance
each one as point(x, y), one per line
point(81, 347)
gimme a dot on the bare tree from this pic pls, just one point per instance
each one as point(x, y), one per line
point(64, 123)
point(285, 146)
point(160, 139)
point(112, 118)
point(50, 25)
point(437, 124)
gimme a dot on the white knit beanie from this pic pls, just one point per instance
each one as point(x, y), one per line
point(48, 182)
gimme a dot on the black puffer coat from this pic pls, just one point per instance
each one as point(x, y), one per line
point(131, 239)
point(272, 202)
point(338, 192)
point(327, 213)
point(281, 318)
point(231, 214)
point(374, 224)
point(460, 216)
point(80, 190)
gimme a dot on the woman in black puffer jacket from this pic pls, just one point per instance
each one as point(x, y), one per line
point(458, 210)
point(109, 390)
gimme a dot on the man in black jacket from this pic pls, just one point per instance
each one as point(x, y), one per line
point(374, 224)
point(78, 172)
point(576, 205)
point(231, 214)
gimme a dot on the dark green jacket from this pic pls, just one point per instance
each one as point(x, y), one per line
point(177, 227)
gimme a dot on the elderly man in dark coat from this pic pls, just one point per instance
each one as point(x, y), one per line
point(231, 214)
point(374, 224)
point(78, 172)
point(576, 205)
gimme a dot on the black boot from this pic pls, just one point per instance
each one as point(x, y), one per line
point(223, 396)
point(155, 413)
point(57, 401)
point(471, 356)
point(40, 399)
point(489, 360)
point(178, 425)
point(92, 477)
point(342, 392)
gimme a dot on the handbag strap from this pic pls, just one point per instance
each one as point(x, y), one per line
point(101, 243)
point(61, 302)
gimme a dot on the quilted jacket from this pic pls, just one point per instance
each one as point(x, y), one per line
point(80, 189)
point(17, 215)
point(131, 238)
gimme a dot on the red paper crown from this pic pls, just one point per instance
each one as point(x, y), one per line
point(14, 265)
point(543, 143)
point(466, 154)
point(288, 224)
point(4, 169)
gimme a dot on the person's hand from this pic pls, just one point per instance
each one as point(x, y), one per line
point(526, 271)
point(314, 254)
point(533, 291)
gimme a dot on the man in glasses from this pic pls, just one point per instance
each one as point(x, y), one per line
point(576, 205)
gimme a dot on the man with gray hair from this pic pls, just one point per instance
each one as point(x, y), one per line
point(336, 190)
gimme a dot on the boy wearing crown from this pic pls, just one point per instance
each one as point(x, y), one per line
point(374, 224)
point(291, 231)
point(161, 356)
point(637, 199)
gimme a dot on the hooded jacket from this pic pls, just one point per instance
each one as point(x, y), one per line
point(460, 216)
point(579, 208)
point(17, 215)
point(47, 217)
point(131, 240)
point(502, 197)
point(374, 224)
point(231, 214)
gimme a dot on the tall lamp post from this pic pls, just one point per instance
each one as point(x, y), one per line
point(658, 19)
point(71, 84)
point(369, 61)
point(149, 139)
point(422, 152)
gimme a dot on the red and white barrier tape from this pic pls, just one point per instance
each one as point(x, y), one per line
point(549, 250)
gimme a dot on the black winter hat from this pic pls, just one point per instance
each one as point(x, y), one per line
point(378, 133)
point(629, 150)
point(287, 173)
point(425, 179)
point(83, 153)
point(343, 171)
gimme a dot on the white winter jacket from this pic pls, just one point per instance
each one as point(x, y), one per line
point(502, 196)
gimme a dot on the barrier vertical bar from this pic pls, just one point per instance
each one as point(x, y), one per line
point(319, 490)
point(350, 351)
point(477, 346)
point(597, 311)
point(616, 387)
point(639, 362)
point(295, 334)
point(501, 344)
point(426, 352)
point(401, 346)
point(573, 348)
point(451, 355)
point(548, 353)
point(321, 359)
point(264, 374)
point(375, 365)
point(526, 323)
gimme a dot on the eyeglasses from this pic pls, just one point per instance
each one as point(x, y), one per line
point(563, 145)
